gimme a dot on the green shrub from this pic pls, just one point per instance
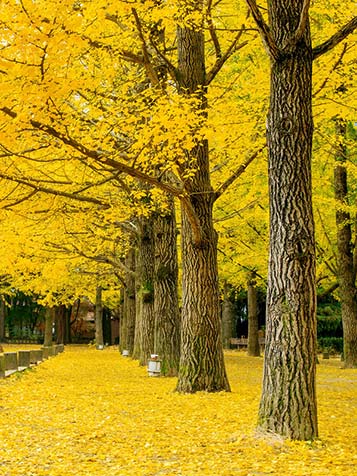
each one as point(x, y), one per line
point(330, 344)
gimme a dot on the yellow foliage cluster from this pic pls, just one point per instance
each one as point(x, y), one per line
point(97, 413)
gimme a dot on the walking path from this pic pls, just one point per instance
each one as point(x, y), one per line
point(90, 413)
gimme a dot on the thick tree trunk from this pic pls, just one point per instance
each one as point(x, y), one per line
point(49, 320)
point(345, 265)
point(201, 361)
point(228, 316)
point(288, 401)
point(253, 325)
point(166, 308)
point(99, 340)
point(127, 324)
point(145, 319)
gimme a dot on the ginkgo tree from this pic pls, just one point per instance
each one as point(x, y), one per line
point(92, 107)
point(288, 402)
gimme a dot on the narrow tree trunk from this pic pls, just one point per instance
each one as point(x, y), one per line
point(345, 265)
point(127, 324)
point(201, 361)
point(166, 308)
point(145, 319)
point(99, 341)
point(228, 316)
point(61, 315)
point(2, 318)
point(253, 325)
point(67, 330)
point(49, 320)
point(288, 401)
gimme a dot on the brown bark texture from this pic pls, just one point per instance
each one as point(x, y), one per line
point(166, 307)
point(228, 316)
point(49, 320)
point(145, 318)
point(61, 316)
point(345, 255)
point(99, 340)
point(127, 324)
point(201, 361)
point(2, 318)
point(253, 325)
point(288, 401)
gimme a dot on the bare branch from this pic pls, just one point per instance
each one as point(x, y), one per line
point(21, 200)
point(212, 31)
point(327, 291)
point(223, 187)
point(264, 30)
point(51, 191)
point(116, 264)
point(335, 39)
point(223, 58)
point(335, 65)
point(152, 75)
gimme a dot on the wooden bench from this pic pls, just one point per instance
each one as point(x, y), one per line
point(242, 342)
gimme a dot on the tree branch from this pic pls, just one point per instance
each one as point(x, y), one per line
point(223, 187)
point(304, 17)
point(335, 39)
point(335, 65)
point(264, 30)
point(100, 157)
point(212, 31)
point(150, 71)
point(51, 191)
point(223, 58)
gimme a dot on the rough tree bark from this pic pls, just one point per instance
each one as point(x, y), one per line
point(49, 320)
point(166, 308)
point(345, 264)
point(2, 318)
point(145, 318)
point(253, 325)
point(288, 400)
point(201, 361)
point(60, 316)
point(228, 316)
point(99, 340)
point(127, 324)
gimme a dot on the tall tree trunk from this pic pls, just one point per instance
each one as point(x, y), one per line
point(145, 319)
point(61, 316)
point(67, 329)
point(49, 320)
point(345, 265)
point(2, 318)
point(99, 340)
point(127, 324)
point(201, 361)
point(288, 401)
point(253, 325)
point(166, 308)
point(228, 316)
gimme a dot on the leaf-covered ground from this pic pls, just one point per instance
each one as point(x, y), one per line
point(88, 412)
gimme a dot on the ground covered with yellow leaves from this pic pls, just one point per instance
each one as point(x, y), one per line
point(88, 412)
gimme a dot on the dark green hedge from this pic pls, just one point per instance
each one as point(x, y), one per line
point(330, 344)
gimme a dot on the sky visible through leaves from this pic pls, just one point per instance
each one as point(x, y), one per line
point(88, 412)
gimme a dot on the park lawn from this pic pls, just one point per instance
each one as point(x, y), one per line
point(88, 412)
